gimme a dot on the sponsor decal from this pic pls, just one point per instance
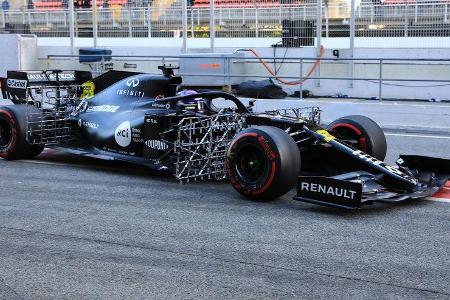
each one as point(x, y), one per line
point(62, 76)
point(103, 108)
point(157, 145)
point(70, 108)
point(123, 134)
point(330, 190)
point(136, 135)
point(133, 82)
point(375, 161)
point(119, 151)
point(109, 149)
point(80, 108)
point(161, 105)
point(326, 135)
point(36, 77)
point(87, 124)
point(131, 93)
point(16, 84)
point(270, 154)
point(400, 161)
point(88, 90)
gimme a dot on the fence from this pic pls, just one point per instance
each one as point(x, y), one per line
point(299, 24)
point(394, 78)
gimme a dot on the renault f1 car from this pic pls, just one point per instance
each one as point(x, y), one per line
point(146, 119)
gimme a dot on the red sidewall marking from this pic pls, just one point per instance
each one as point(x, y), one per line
point(231, 176)
point(14, 132)
point(447, 184)
point(352, 127)
point(242, 136)
point(362, 140)
point(268, 182)
point(271, 155)
point(235, 183)
point(266, 147)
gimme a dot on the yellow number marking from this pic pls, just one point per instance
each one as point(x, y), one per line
point(326, 135)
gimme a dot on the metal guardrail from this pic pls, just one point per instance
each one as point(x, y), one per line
point(385, 20)
point(381, 80)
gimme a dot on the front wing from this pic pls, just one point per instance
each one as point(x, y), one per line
point(354, 189)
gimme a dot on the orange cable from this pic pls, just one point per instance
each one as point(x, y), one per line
point(267, 67)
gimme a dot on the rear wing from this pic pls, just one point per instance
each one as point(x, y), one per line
point(15, 86)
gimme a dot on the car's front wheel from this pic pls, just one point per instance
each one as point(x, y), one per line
point(367, 134)
point(263, 162)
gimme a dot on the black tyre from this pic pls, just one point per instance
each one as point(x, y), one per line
point(13, 144)
point(263, 163)
point(369, 135)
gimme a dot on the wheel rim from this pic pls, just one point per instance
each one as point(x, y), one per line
point(351, 132)
point(5, 134)
point(251, 164)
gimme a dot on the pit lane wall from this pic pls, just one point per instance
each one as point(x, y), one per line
point(335, 69)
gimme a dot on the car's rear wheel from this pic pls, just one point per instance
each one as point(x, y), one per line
point(263, 162)
point(368, 134)
point(13, 143)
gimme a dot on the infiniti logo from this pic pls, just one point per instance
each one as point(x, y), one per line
point(134, 82)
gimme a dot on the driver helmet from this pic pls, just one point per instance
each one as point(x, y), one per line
point(192, 100)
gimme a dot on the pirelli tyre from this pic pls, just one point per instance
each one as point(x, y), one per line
point(13, 144)
point(263, 163)
point(369, 135)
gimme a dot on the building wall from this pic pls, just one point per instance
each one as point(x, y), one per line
point(363, 69)
point(17, 4)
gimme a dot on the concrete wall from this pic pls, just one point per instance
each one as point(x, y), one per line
point(18, 52)
point(367, 69)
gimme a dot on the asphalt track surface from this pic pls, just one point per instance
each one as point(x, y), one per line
point(80, 228)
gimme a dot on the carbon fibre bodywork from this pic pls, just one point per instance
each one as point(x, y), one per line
point(139, 118)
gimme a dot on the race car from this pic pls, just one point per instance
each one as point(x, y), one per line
point(149, 120)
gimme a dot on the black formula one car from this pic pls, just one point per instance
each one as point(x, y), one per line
point(146, 119)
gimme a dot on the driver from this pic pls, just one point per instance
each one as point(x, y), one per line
point(191, 103)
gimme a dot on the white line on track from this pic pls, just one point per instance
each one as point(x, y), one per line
point(419, 135)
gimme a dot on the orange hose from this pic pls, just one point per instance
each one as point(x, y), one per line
point(314, 66)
